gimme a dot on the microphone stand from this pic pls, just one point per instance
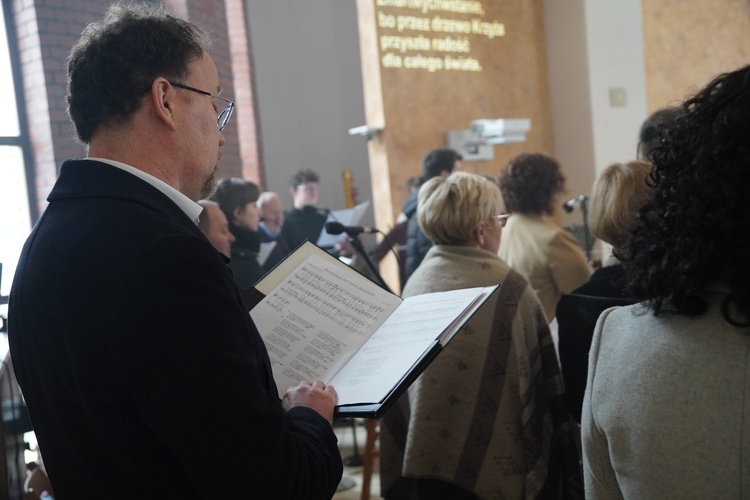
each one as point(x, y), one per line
point(354, 240)
point(356, 459)
point(582, 200)
point(586, 233)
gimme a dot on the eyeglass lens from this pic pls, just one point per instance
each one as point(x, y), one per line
point(225, 115)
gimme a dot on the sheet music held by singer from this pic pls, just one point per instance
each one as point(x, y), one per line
point(316, 321)
point(318, 318)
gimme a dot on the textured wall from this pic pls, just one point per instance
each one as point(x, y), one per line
point(688, 42)
point(46, 31)
point(418, 105)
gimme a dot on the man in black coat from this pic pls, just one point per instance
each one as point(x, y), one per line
point(437, 163)
point(305, 221)
point(142, 371)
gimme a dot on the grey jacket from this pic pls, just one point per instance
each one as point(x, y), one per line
point(666, 409)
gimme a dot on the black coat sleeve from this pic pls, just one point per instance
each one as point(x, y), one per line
point(197, 372)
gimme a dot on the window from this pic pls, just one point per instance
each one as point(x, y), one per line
point(15, 218)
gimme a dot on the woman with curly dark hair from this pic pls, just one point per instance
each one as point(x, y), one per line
point(548, 256)
point(667, 400)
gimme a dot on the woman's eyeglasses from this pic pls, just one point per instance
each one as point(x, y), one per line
point(502, 218)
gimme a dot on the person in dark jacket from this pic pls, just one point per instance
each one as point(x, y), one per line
point(618, 193)
point(236, 198)
point(143, 374)
point(305, 220)
point(437, 163)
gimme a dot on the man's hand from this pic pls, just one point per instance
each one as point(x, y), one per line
point(315, 395)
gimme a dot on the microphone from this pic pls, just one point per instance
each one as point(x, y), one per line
point(568, 205)
point(334, 227)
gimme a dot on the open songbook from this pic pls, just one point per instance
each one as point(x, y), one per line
point(320, 319)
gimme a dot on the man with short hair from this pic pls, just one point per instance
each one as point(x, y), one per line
point(143, 373)
point(213, 223)
point(305, 221)
point(437, 163)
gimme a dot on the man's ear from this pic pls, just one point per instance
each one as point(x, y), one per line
point(293, 191)
point(163, 100)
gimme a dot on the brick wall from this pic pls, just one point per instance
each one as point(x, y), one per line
point(240, 53)
point(47, 29)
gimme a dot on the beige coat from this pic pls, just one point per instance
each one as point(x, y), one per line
point(548, 256)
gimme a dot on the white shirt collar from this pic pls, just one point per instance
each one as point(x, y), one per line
point(191, 208)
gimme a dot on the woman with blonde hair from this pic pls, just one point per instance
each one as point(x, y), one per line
point(617, 195)
point(619, 191)
point(485, 419)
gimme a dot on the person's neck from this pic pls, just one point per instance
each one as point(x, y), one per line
point(117, 145)
point(236, 227)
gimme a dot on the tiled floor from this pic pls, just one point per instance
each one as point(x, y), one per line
point(354, 473)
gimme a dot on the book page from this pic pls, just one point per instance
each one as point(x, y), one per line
point(381, 363)
point(316, 319)
point(346, 216)
point(274, 277)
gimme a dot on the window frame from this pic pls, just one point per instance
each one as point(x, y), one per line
point(22, 140)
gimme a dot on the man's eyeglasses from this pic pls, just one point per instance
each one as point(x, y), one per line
point(224, 115)
point(502, 218)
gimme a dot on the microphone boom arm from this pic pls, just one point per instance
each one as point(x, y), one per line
point(334, 227)
point(354, 240)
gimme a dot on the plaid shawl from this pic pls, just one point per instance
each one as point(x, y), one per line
point(488, 414)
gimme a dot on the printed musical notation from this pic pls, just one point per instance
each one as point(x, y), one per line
point(316, 319)
point(311, 289)
point(322, 321)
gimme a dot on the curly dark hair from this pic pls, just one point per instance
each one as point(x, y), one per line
point(695, 229)
point(529, 184)
point(115, 61)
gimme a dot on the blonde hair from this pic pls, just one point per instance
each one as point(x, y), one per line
point(449, 209)
point(618, 193)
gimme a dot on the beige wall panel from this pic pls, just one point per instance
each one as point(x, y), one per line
point(418, 106)
point(688, 42)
